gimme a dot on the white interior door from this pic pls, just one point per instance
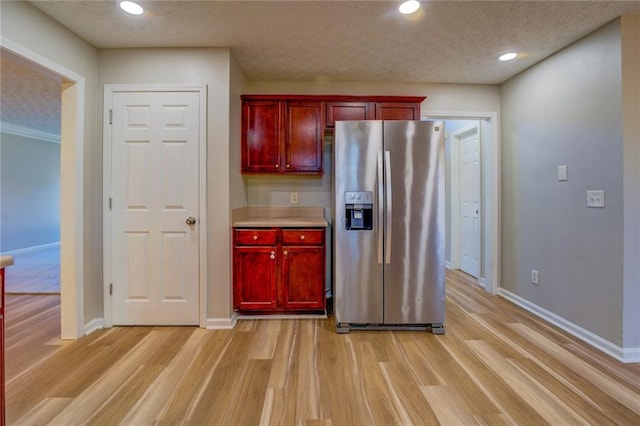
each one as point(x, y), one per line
point(470, 197)
point(154, 186)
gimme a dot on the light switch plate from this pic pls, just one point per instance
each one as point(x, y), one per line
point(595, 199)
point(294, 198)
point(563, 173)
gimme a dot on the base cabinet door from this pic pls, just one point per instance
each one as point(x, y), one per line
point(2, 395)
point(255, 277)
point(302, 277)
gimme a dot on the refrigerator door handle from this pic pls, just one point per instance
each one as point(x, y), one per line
point(387, 174)
point(380, 206)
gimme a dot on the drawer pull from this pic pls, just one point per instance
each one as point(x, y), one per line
point(286, 253)
point(255, 237)
point(302, 237)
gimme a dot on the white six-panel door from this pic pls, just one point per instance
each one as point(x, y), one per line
point(154, 186)
point(470, 197)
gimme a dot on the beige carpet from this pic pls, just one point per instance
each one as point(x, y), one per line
point(36, 271)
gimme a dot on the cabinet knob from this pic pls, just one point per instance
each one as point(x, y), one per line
point(302, 237)
point(255, 237)
point(273, 255)
point(286, 253)
point(277, 166)
point(288, 166)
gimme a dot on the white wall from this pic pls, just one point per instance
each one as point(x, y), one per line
point(194, 66)
point(566, 110)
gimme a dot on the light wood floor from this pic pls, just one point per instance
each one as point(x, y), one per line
point(496, 365)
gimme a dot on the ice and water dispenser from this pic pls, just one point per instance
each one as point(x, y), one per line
point(358, 211)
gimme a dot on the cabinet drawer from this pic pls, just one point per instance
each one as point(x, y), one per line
point(303, 237)
point(254, 237)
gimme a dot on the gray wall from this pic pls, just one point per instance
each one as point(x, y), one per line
point(30, 191)
point(566, 110)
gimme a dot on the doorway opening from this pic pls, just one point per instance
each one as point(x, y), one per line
point(472, 177)
point(30, 153)
point(71, 188)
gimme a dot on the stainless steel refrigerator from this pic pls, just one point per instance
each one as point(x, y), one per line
point(389, 234)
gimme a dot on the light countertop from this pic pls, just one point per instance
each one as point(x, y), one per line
point(6, 261)
point(280, 217)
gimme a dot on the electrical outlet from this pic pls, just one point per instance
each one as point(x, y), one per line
point(294, 198)
point(595, 199)
point(535, 277)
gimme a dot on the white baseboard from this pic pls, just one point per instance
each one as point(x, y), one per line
point(626, 355)
point(30, 249)
point(221, 323)
point(93, 325)
point(448, 265)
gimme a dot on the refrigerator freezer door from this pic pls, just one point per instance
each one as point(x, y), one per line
point(357, 272)
point(414, 289)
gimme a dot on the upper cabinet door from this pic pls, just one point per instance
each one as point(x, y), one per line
point(397, 111)
point(261, 136)
point(347, 111)
point(304, 137)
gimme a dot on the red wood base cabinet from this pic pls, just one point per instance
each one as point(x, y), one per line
point(2, 401)
point(279, 270)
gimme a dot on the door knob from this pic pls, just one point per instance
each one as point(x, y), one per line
point(190, 220)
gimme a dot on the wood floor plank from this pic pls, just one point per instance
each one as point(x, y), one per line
point(497, 364)
point(214, 400)
point(447, 405)
point(115, 408)
point(621, 393)
point(246, 404)
point(43, 412)
point(150, 406)
point(554, 410)
point(492, 395)
point(591, 413)
point(374, 387)
point(93, 393)
point(339, 398)
point(189, 391)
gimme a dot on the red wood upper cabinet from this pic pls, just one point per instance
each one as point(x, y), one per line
point(261, 136)
point(303, 137)
point(397, 111)
point(346, 111)
point(282, 136)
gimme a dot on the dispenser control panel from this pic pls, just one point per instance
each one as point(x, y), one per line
point(358, 210)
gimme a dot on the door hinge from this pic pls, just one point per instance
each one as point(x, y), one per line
point(111, 289)
point(110, 116)
point(110, 203)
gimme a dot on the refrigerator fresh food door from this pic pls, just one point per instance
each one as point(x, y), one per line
point(414, 270)
point(357, 260)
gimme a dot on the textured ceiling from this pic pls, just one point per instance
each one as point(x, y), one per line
point(447, 42)
point(29, 94)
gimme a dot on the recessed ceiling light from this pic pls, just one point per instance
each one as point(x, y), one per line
point(508, 56)
point(131, 7)
point(408, 7)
